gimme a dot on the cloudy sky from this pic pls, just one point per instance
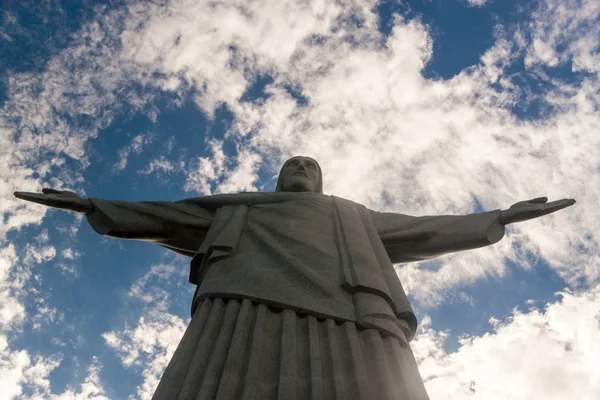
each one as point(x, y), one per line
point(419, 107)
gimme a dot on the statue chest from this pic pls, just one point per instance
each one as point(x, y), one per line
point(287, 255)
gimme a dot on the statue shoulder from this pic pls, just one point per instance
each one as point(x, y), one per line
point(348, 203)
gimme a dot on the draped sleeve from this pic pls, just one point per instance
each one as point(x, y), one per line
point(408, 238)
point(179, 226)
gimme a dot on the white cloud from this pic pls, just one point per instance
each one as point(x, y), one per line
point(430, 287)
point(70, 254)
point(546, 354)
point(18, 369)
point(160, 166)
point(136, 146)
point(203, 174)
point(222, 174)
point(196, 40)
point(477, 3)
point(150, 344)
point(565, 30)
point(39, 254)
point(48, 117)
point(91, 387)
point(243, 176)
point(496, 59)
point(152, 288)
point(12, 310)
point(16, 281)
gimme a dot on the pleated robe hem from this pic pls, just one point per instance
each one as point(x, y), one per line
point(242, 350)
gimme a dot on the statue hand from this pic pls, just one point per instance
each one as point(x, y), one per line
point(62, 199)
point(533, 208)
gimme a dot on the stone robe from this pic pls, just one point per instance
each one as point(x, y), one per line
point(324, 261)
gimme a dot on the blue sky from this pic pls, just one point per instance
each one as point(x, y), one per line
point(420, 107)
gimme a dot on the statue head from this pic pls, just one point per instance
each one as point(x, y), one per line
point(300, 174)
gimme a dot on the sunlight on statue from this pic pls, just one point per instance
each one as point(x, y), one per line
point(296, 295)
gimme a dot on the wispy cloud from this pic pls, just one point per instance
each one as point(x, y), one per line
point(477, 3)
point(151, 342)
point(47, 118)
point(149, 345)
point(136, 146)
point(204, 173)
point(19, 370)
point(549, 353)
point(562, 32)
point(90, 389)
point(160, 166)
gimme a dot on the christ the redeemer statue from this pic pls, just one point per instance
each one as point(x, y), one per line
point(296, 295)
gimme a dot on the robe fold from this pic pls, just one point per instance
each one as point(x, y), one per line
point(311, 254)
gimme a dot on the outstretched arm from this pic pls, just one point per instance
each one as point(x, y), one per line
point(178, 226)
point(408, 238)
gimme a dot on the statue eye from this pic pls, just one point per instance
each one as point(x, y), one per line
point(311, 165)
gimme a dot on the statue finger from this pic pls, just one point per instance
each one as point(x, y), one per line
point(25, 195)
point(568, 202)
point(56, 201)
point(559, 204)
point(538, 200)
point(30, 196)
point(50, 191)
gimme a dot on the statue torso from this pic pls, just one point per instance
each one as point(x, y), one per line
point(287, 256)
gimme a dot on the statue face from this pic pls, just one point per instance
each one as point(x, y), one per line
point(300, 174)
